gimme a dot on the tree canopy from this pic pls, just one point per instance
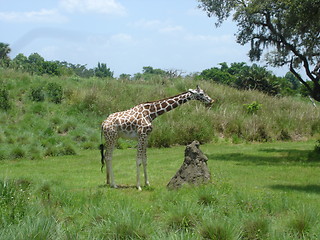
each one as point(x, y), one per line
point(288, 29)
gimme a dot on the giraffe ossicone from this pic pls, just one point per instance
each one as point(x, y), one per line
point(137, 123)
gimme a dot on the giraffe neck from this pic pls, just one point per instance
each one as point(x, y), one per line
point(160, 107)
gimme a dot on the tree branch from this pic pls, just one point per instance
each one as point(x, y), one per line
point(290, 47)
point(298, 76)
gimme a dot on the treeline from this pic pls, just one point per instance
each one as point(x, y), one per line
point(237, 75)
point(244, 77)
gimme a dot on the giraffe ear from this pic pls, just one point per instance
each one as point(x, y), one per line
point(198, 88)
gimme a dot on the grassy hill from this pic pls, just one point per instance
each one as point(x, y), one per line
point(52, 116)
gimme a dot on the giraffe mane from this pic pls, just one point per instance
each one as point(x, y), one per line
point(166, 98)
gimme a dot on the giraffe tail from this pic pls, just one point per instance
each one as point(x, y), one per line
point(102, 155)
point(101, 147)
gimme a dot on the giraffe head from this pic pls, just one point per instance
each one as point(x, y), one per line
point(199, 94)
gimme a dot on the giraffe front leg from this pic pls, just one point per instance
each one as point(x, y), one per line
point(142, 157)
point(138, 163)
point(144, 163)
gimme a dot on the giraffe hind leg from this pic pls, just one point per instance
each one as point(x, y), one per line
point(108, 159)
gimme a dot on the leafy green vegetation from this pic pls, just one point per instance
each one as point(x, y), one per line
point(288, 31)
point(258, 191)
point(54, 116)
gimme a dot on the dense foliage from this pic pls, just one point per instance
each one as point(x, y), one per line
point(287, 29)
point(242, 76)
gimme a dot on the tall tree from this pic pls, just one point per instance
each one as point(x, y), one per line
point(291, 28)
point(103, 71)
point(4, 54)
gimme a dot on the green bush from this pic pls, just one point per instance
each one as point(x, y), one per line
point(18, 152)
point(4, 99)
point(315, 154)
point(55, 92)
point(37, 94)
point(253, 107)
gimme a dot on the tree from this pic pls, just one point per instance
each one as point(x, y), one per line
point(20, 62)
point(35, 63)
point(4, 54)
point(103, 71)
point(291, 28)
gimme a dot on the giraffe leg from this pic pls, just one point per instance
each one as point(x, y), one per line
point(109, 172)
point(142, 157)
point(144, 162)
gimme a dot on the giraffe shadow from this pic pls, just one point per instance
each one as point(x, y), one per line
point(124, 186)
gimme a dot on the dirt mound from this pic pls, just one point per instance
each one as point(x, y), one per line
point(194, 169)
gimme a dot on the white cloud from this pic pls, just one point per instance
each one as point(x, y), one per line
point(210, 38)
point(171, 29)
point(146, 24)
point(97, 6)
point(43, 15)
point(157, 25)
point(122, 37)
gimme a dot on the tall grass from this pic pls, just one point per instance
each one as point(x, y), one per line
point(41, 126)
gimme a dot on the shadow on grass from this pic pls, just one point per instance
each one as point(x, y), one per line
point(309, 188)
point(267, 156)
point(122, 186)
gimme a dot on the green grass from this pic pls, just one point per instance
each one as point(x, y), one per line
point(258, 191)
point(43, 127)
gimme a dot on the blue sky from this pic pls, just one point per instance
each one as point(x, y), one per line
point(125, 34)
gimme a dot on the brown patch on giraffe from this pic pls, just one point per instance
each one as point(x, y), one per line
point(180, 101)
point(164, 104)
point(147, 106)
point(153, 115)
point(145, 113)
point(158, 107)
point(170, 101)
point(174, 105)
point(161, 112)
point(169, 108)
point(152, 108)
point(131, 119)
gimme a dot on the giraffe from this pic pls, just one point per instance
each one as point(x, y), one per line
point(137, 123)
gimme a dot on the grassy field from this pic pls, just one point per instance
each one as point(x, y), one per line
point(258, 191)
point(55, 116)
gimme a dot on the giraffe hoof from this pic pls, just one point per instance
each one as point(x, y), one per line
point(113, 186)
point(139, 188)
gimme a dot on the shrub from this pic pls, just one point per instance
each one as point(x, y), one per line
point(55, 92)
point(315, 154)
point(37, 94)
point(253, 107)
point(4, 99)
point(18, 152)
